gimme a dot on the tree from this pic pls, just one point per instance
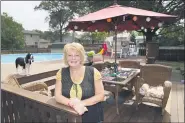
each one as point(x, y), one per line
point(98, 36)
point(85, 38)
point(134, 34)
point(48, 35)
point(94, 37)
point(60, 12)
point(171, 36)
point(11, 35)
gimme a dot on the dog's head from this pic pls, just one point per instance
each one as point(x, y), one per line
point(29, 58)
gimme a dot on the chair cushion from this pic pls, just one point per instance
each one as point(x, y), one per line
point(35, 86)
point(11, 80)
point(143, 89)
point(156, 92)
point(156, 101)
point(150, 91)
point(44, 92)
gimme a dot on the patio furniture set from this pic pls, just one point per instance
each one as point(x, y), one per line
point(131, 75)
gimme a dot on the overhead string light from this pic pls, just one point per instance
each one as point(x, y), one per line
point(134, 18)
point(148, 19)
point(109, 20)
point(152, 27)
point(160, 24)
point(123, 18)
point(75, 27)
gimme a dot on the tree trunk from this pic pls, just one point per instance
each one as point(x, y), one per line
point(60, 34)
point(60, 31)
point(12, 47)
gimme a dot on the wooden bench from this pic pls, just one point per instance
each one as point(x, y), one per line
point(47, 78)
point(19, 106)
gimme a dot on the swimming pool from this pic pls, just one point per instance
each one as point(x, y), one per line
point(38, 57)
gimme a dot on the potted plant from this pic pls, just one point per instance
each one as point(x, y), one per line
point(90, 56)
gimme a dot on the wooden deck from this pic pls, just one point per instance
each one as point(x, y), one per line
point(177, 103)
point(128, 113)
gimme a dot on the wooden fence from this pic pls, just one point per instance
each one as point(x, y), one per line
point(21, 106)
point(167, 53)
point(30, 50)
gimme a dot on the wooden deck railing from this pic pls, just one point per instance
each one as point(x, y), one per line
point(19, 105)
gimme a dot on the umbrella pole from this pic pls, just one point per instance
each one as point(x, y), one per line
point(115, 56)
point(73, 35)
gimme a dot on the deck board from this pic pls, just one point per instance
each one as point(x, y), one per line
point(148, 116)
point(174, 111)
point(174, 114)
point(180, 104)
point(167, 114)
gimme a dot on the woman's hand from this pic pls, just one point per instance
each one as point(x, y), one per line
point(77, 105)
point(80, 108)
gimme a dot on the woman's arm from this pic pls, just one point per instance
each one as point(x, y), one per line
point(74, 103)
point(58, 90)
point(58, 94)
point(99, 92)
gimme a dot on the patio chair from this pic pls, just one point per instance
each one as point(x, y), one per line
point(129, 64)
point(155, 76)
point(108, 64)
point(125, 51)
point(99, 65)
point(134, 51)
point(37, 87)
point(119, 50)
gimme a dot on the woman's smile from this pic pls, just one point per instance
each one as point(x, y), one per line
point(73, 58)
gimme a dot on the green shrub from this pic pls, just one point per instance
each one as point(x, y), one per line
point(90, 53)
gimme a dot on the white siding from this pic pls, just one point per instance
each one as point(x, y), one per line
point(31, 39)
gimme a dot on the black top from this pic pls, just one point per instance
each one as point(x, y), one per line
point(95, 112)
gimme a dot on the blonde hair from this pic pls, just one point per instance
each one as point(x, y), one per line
point(76, 46)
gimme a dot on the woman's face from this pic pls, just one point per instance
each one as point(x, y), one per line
point(73, 58)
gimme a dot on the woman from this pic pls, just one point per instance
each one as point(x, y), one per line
point(79, 86)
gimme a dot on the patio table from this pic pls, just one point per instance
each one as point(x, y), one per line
point(115, 84)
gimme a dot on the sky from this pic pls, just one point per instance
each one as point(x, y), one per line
point(23, 12)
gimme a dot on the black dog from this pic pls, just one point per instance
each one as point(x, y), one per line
point(24, 63)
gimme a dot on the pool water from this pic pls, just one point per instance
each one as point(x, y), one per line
point(38, 57)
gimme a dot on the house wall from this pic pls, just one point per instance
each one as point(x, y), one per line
point(31, 39)
point(43, 45)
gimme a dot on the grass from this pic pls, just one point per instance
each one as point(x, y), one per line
point(177, 69)
point(175, 65)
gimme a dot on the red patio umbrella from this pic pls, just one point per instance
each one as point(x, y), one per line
point(119, 18)
point(127, 18)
